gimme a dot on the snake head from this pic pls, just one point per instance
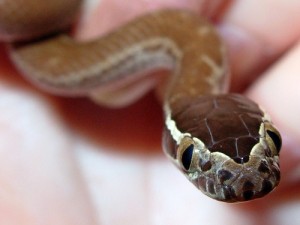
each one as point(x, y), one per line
point(226, 146)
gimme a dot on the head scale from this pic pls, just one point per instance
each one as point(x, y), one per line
point(227, 147)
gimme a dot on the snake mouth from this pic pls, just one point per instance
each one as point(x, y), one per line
point(250, 187)
point(233, 182)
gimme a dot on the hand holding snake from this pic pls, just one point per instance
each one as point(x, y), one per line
point(186, 141)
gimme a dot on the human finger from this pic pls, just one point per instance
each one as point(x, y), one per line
point(257, 33)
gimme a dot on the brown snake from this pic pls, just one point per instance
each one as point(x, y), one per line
point(224, 143)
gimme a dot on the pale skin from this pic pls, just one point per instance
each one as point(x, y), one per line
point(68, 161)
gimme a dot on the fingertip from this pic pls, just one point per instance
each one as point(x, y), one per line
point(257, 33)
point(245, 52)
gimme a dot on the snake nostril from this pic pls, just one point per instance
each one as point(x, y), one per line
point(241, 160)
point(238, 160)
point(245, 159)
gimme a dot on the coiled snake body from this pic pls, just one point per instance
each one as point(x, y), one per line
point(224, 143)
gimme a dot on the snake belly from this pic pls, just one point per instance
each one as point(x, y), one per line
point(223, 143)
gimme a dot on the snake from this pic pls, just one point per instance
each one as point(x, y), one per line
point(224, 143)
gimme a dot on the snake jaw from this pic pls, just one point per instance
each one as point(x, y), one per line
point(221, 178)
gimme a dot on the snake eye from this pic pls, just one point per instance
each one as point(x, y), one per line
point(275, 138)
point(187, 156)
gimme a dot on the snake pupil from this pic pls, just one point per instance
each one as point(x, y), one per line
point(187, 157)
point(276, 139)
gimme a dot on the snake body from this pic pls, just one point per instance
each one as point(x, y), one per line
point(224, 143)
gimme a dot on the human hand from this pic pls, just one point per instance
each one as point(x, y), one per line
point(68, 161)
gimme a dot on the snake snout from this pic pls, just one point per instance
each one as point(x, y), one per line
point(248, 181)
